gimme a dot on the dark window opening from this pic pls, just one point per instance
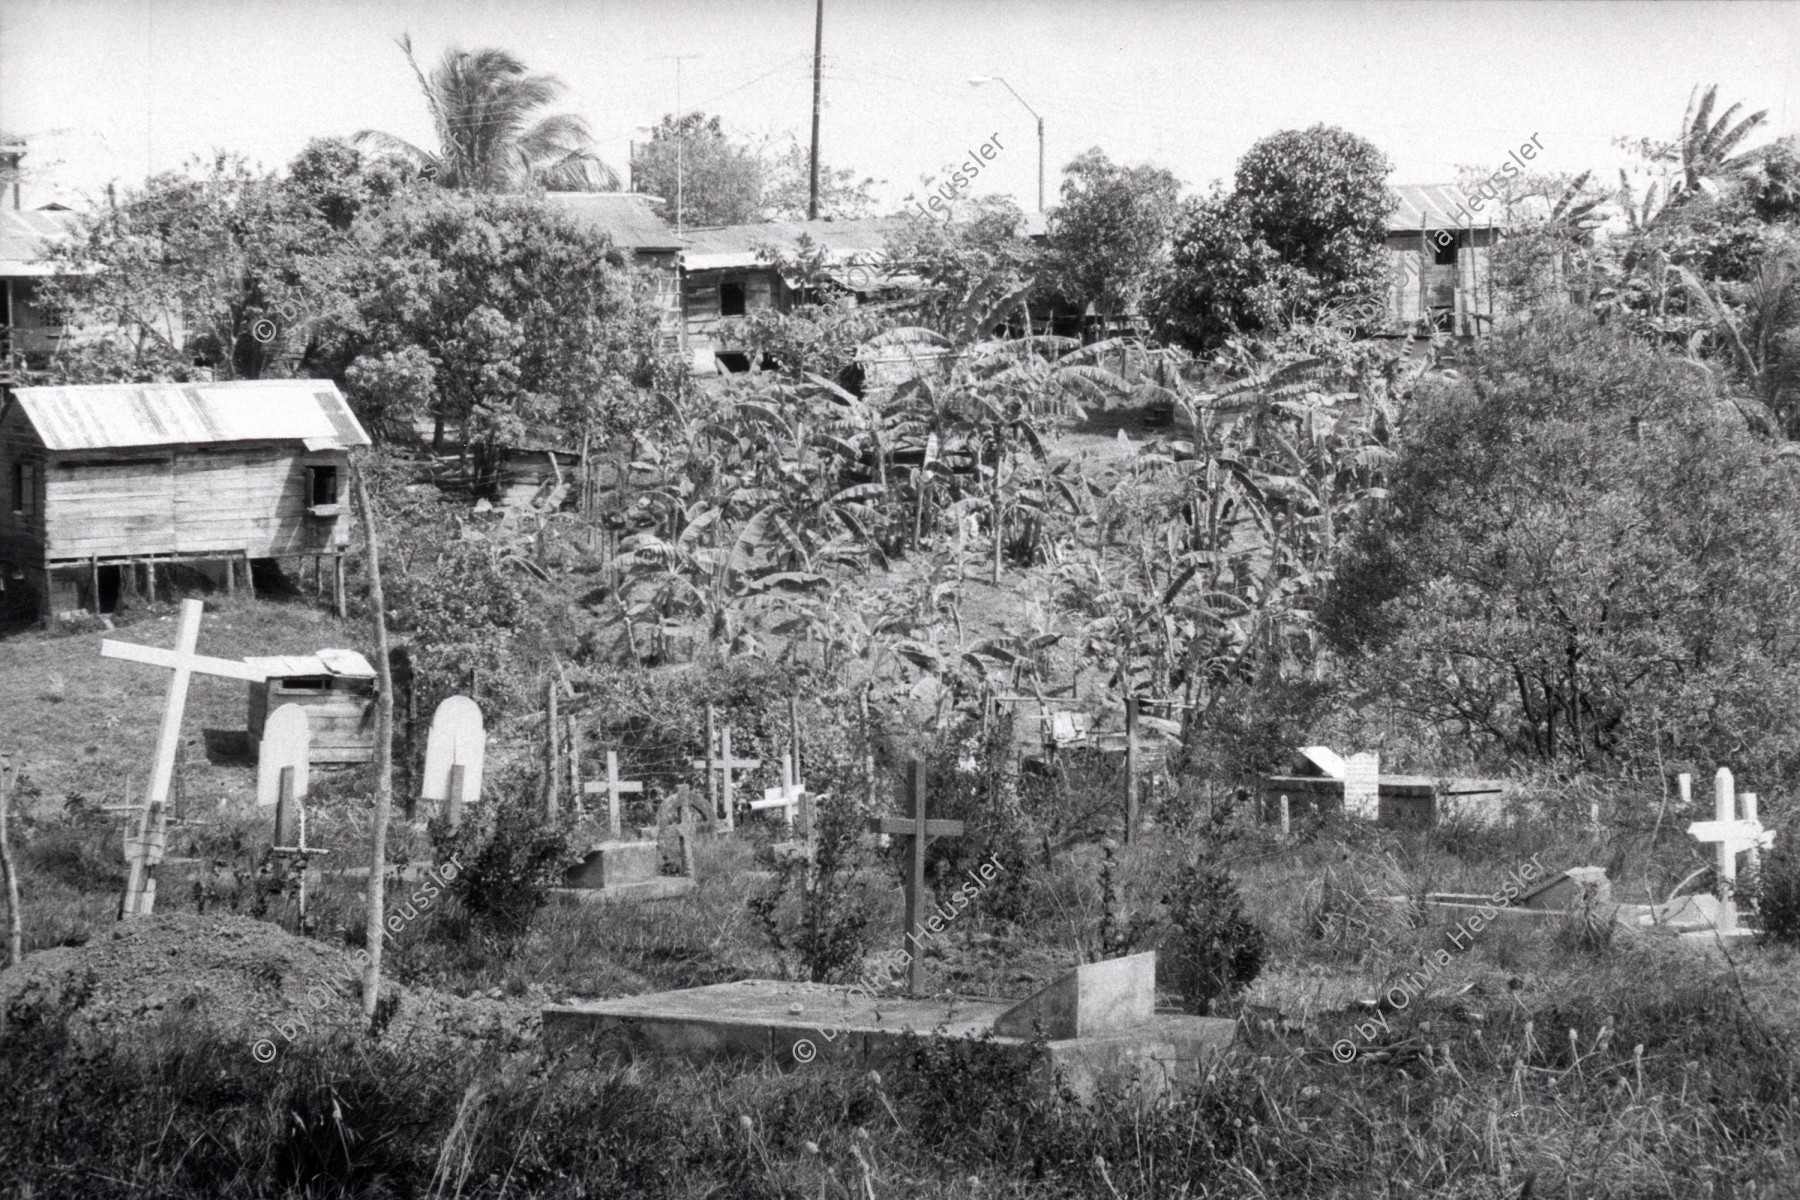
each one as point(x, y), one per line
point(735, 361)
point(731, 299)
point(1443, 255)
point(321, 485)
point(304, 685)
point(24, 489)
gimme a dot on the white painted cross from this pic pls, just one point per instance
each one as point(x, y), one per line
point(612, 788)
point(1733, 837)
point(454, 752)
point(140, 890)
point(786, 797)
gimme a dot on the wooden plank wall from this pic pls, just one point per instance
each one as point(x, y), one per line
point(249, 500)
point(21, 537)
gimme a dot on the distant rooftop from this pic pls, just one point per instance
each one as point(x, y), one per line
point(25, 235)
point(1425, 207)
point(629, 218)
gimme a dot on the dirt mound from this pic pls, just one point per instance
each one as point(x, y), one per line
point(240, 977)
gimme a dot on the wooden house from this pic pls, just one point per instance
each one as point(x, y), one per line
point(28, 333)
point(337, 690)
point(643, 239)
point(1441, 257)
point(104, 484)
point(730, 271)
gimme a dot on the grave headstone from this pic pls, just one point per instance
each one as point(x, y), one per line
point(286, 745)
point(613, 788)
point(1095, 998)
point(454, 753)
point(719, 763)
point(786, 797)
point(1362, 785)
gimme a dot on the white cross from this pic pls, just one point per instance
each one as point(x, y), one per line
point(1733, 836)
point(613, 787)
point(183, 662)
point(786, 797)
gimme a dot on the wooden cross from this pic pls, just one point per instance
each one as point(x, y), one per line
point(1733, 837)
point(919, 831)
point(140, 890)
point(786, 797)
point(726, 766)
point(613, 788)
point(290, 828)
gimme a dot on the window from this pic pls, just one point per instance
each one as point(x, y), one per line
point(303, 685)
point(321, 486)
point(24, 489)
point(1443, 255)
point(731, 299)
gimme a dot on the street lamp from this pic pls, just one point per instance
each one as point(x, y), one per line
point(977, 81)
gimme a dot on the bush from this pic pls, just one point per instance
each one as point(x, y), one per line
point(1213, 949)
point(1776, 889)
point(832, 905)
point(508, 858)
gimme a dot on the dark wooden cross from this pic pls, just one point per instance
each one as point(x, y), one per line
point(919, 831)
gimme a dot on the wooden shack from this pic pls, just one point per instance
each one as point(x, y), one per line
point(1319, 780)
point(104, 484)
point(337, 690)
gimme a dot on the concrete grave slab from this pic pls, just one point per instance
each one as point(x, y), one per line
point(611, 864)
point(1095, 998)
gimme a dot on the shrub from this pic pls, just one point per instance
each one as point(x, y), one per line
point(1213, 949)
point(508, 857)
point(1776, 889)
point(832, 907)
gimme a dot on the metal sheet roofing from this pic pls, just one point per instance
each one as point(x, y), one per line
point(25, 236)
point(347, 663)
point(1426, 207)
point(736, 246)
point(116, 415)
point(627, 217)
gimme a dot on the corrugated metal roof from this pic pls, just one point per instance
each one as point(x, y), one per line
point(24, 237)
point(734, 246)
point(347, 663)
point(1426, 207)
point(116, 415)
point(627, 217)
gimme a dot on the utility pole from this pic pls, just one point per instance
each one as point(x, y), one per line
point(680, 138)
point(812, 198)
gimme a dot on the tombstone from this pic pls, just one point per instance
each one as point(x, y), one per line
point(1732, 836)
point(286, 746)
point(1362, 785)
point(1095, 998)
point(454, 753)
point(183, 662)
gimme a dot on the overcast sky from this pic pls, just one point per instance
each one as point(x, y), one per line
point(106, 90)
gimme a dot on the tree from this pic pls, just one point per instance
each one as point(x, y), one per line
point(507, 313)
point(485, 108)
point(1709, 150)
point(1586, 558)
point(1109, 237)
point(788, 184)
point(1304, 227)
point(717, 179)
point(954, 258)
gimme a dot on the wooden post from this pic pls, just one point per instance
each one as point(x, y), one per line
point(339, 606)
point(712, 785)
point(15, 937)
point(1286, 826)
point(230, 576)
point(1753, 855)
point(551, 783)
point(1684, 785)
point(1725, 809)
point(287, 822)
point(574, 723)
point(94, 581)
point(915, 885)
point(1131, 768)
point(384, 743)
point(794, 734)
point(725, 786)
point(453, 806)
point(150, 580)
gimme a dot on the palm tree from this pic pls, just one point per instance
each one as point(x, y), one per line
point(1708, 147)
point(483, 104)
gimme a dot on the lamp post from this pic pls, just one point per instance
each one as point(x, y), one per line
point(977, 81)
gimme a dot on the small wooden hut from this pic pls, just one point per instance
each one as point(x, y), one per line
point(337, 689)
point(103, 484)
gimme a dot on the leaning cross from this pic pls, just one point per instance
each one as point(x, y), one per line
point(613, 787)
point(140, 889)
point(919, 831)
point(1733, 837)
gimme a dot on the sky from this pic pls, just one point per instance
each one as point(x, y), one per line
point(111, 89)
